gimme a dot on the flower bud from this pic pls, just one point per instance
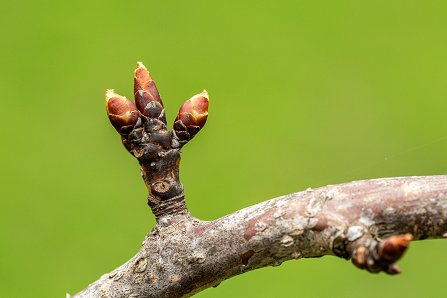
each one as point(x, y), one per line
point(392, 248)
point(122, 113)
point(191, 117)
point(381, 255)
point(147, 98)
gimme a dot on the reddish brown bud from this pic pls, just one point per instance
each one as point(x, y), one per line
point(392, 248)
point(191, 117)
point(122, 112)
point(381, 255)
point(147, 98)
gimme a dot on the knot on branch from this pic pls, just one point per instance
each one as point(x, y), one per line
point(375, 256)
point(145, 135)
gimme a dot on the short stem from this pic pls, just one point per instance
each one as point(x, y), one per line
point(175, 205)
point(161, 175)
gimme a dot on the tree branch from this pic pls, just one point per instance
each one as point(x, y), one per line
point(183, 255)
point(370, 222)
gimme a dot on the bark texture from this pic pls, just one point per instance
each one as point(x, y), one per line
point(183, 255)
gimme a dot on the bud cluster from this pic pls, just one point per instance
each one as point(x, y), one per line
point(148, 109)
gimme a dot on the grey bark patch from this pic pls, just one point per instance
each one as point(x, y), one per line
point(198, 259)
point(287, 241)
point(354, 233)
point(140, 265)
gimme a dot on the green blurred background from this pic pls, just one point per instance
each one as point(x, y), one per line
point(303, 94)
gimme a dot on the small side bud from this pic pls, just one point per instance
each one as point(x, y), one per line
point(392, 248)
point(147, 98)
point(191, 117)
point(381, 255)
point(122, 113)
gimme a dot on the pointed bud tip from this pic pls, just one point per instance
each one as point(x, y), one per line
point(408, 237)
point(393, 247)
point(141, 65)
point(199, 103)
point(122, 113)
point(205, 94)
point(110, 93)
point(401, 241)
point(115, 103)
point(118, 105)
point(141, 76)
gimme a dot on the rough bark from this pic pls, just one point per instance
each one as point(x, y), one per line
point(183, 255)
point(370, 222)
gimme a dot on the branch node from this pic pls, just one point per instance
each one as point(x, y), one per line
point(375, 256)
